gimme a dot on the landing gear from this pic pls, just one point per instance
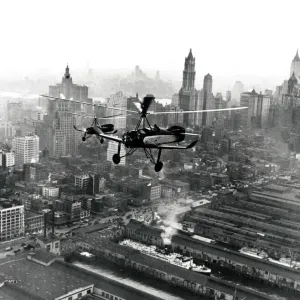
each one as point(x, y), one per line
point(116, 158)
point(101, 141)
point(83, 138)
point(158, 166)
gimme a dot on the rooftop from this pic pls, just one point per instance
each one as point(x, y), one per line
point(29, 214)
point(45, 257)
point(45, 282)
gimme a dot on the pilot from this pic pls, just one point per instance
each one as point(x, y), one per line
point(156, 127)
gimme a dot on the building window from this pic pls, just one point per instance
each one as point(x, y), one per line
point(103, 294)
point(80, 295)
point(107, 296)
point(111, 297)
point(70, 298)
point(48, 249)
point(56, 245)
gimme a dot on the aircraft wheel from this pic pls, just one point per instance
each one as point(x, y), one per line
point(116, 159)
point(101, 141)
point(158, 166)
point(83, 139)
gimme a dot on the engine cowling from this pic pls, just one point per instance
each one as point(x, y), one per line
point(178, 131)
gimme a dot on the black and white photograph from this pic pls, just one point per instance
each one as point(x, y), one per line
point(150, 150)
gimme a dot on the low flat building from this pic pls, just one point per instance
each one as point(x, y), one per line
point(44, 282)
point(49, 244)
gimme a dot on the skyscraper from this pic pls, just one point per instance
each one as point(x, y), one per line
point(69, 90)
point(188, 93)
point(295, 66)
point(59, 135)
point(257, 113)
point(207, 90)
point(238, 88)
point(205, 100)
point(26, 149)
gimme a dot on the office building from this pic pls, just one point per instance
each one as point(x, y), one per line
point(237, 90)
point(205, 101)
point(35, 172)
point(257, 113)
point(88, 183)
point(12, 224)
point(14, 111)
point(69, 90)
point(7, 130)
point(7, 159)
point(26, 149)
point(117, 100)
point(34, 222)
point(50, 192)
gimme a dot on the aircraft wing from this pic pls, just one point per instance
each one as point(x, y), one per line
point(191, 145)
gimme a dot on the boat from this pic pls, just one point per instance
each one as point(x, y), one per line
point(187, 263)
point(87, 256)
point(172, 258)
point(254, 252)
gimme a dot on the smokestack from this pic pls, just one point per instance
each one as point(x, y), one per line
point(45, 225)
point(53, 214)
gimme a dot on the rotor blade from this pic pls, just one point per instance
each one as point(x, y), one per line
point(102, 118)
point(191, 134)
point(196, 111)
point(90, 104)
point(107, 117)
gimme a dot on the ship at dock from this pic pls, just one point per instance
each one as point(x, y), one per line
point(172, 258)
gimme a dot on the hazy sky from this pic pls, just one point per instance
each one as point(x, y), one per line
point(227, 37)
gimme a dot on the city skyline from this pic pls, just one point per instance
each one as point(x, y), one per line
point(223, 40)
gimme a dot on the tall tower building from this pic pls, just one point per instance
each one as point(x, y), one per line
point(207, 90)
point(26, 149)
point(257, 113)
point(205, 100)
point(69, 90)
point(59, 136)
point(188, 93)
point(237, 90)
point(295, 66)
